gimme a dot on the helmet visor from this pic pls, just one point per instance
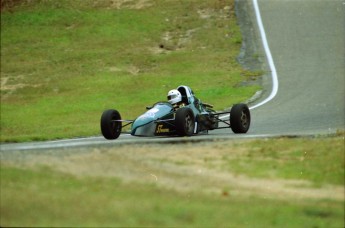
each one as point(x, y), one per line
point(170, 97)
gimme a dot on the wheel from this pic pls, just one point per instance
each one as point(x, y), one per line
point(240, 118)
point(184, 122)
point(110, 128)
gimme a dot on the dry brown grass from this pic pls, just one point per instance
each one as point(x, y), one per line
point(195, 167)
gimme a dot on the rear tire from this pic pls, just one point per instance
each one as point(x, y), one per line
point(110, 128)
point(240, 118)
point(184, 122)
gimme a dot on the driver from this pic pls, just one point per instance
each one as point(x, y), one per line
point(175, 98)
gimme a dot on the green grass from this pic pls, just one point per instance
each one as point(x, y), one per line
point(38, 195)
point(67, 61)
point(319, 160)
point(47, 198)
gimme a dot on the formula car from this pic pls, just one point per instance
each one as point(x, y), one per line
point(163, 119)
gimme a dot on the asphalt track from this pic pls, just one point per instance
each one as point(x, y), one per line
point(306, 43)
point(306, 39)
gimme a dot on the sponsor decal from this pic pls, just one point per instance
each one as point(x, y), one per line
point(161, 129)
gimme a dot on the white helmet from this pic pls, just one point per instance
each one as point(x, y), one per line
point(174, 96)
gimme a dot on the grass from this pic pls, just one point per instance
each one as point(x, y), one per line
point(64, 62)
point(46, 198)
point(40, 195)
point(318, 160)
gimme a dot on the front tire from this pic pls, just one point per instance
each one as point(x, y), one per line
point(184, 121)
point(110, 128)
point(240, 118)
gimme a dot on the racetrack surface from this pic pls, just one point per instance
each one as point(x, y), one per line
point(306, 40)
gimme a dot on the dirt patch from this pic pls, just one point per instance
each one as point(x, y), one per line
point(133, 70)
point(120, 4)
point(179, 39)
point(173, 41)
point(9, 84)
point(181, 167)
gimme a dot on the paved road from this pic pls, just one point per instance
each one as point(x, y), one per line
point(306, 39)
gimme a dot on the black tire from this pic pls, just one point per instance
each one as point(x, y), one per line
point(111, 129)
point(240, 118)
point(184, 121)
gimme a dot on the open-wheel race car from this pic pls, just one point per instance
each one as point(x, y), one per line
point(183, 115)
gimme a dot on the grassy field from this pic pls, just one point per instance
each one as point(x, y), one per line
point(64, 62)
point(247, 183)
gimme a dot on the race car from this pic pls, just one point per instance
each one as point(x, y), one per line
point(165, 119)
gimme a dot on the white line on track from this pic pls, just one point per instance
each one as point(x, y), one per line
point(275, 83)
point(272, 67)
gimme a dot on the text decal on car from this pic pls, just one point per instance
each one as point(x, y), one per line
point(160, 129)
